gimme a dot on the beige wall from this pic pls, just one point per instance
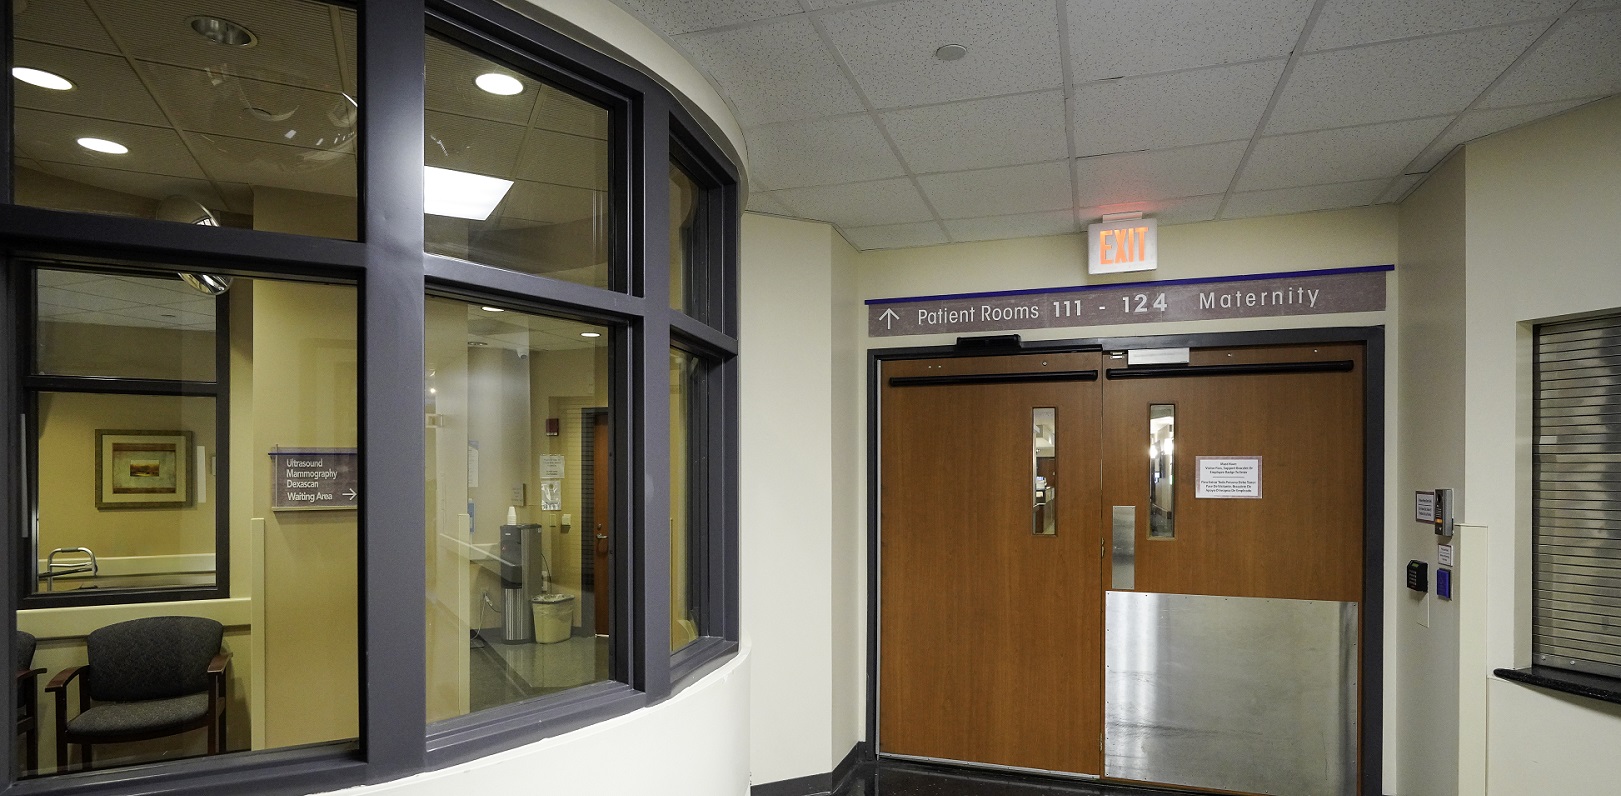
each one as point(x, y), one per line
point(786, 488)
point(305, 393)
point(1542, 243)
point(849, 544)
point(1430, 322)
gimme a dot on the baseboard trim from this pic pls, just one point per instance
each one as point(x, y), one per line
point(817, 784)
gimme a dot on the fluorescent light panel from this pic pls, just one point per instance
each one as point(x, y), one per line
point(459, 194)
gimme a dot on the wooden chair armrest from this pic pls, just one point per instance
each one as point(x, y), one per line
point(217, 665)
point(28, 674)
point(60, 681)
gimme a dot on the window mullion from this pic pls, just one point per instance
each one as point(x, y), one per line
point(651, 536)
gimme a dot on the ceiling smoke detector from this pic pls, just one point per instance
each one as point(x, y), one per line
point(223, 31)
point(951, 52)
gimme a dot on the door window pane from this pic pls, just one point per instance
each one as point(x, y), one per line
point(517, 170)
point(520, 506)
point(135, 108)
point(1044, 466)
point(1162, 471)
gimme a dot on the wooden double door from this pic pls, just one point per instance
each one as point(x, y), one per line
point(1025, 497)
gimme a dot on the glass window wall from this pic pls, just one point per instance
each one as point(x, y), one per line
point(520, 506)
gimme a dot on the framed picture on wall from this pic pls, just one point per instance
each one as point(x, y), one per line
point(143, 469)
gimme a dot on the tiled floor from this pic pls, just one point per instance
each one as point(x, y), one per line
point(890, 778)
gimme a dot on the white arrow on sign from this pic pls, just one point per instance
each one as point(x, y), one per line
point(889, 317)
point(351, 494)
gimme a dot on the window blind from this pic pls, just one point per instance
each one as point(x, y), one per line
point(1577, 496)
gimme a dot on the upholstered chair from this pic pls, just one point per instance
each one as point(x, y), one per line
point(27, 699)
point(146, 678)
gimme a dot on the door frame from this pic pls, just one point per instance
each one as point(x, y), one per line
point(1370, 708)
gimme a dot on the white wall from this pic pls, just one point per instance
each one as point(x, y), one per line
point(1430, 320)
point(786, 489)
point(1543, 242)
point(692, 744)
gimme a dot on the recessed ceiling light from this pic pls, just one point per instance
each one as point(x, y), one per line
point(458, 194)
point(497, 83)
point(951, 52)
point(103, 145)
point(492, 309)
point(590, 334)
point(41, 78)
point(477, 343)
point(223, 31)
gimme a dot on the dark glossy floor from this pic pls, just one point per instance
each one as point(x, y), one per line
point(891, 778)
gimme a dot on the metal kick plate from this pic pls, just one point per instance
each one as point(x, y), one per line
point(1231, 693)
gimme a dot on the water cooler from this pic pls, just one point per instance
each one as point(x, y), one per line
point(517, 624)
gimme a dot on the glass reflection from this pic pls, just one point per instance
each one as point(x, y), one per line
point(248, 121)
point(517, 170)
point(1161, 471)
point(1044, 512)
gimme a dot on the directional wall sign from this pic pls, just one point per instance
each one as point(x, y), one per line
point(303, 479)
point(1256, 296)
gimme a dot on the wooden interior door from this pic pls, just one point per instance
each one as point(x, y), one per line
point(990, 633)
point(1204, 690)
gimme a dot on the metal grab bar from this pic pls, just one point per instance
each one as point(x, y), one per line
point(54, 570)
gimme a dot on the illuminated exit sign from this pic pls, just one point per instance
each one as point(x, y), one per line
point(1116, 247)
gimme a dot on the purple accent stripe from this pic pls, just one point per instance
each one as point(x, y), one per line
point(1361, 269)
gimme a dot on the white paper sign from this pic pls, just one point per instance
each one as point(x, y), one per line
point(551, 465)
point(1424, 506)
point(472, 464)
point(1227, 477)
point(1443, 554)
point(551, 495)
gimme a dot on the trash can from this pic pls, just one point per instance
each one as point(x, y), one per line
point(554, 617)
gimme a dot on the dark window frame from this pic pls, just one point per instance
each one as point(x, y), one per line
point(395, 741)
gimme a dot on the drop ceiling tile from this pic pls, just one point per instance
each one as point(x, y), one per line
point(1403, 186)
point(81, 302)
point(474, 145)
point(1343, 23)
point(551, 204)
point(1180, 109)
point(1000, 131)
point(1005, 191)
point(53, 137)
point(564, 159)
point(1159, 174)
point(134, 183)
point(295, 45)
point(774, 72)
point(1185, 210)
point(1476, 124)
point(820, 152)
point(66, 22)
point(1012, 47)
point(768, 203)
point(450, 88)
point(1110, 39)
point(1025, 225)
point(1587, 4)
point(1577, 59)
point(140, 291)
point(1304, 199)
point(104, 85)
point(51, 278)
point(860, 204)
point(257, 110)
point(1399, 80)
point(238, 197)
point(895, 236)
point(682, 16)
point(274, 166)
point(1344, 155)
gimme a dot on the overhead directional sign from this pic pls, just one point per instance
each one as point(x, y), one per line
point(302, 479)
point(1260, 295)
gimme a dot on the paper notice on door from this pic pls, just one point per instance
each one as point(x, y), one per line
point(1227, 477)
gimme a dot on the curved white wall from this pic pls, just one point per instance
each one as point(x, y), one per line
point(695, 743)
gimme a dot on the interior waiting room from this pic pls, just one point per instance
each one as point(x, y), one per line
point(1139, 397)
